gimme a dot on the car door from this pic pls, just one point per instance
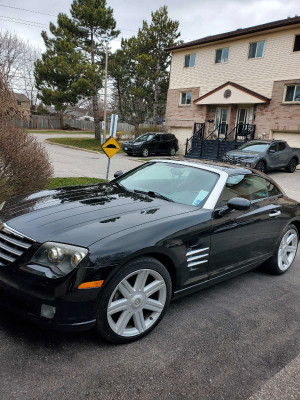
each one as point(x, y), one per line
point(155, 144)
point(284, 154)
point(241, 238)
point(273, 156)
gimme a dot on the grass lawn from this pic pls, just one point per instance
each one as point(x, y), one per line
point(59, 131)
point(81, 143)
point(61, 182)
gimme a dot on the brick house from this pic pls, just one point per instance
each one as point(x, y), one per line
point(244, 78)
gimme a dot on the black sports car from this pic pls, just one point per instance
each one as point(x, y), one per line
point(114, 255)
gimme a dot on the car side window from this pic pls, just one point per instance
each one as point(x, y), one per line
point(165, 138)
point(250, 187)
point(281, 146)
point(156, 138)
point(273, 147)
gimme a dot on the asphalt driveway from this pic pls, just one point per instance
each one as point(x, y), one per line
point(224, 342)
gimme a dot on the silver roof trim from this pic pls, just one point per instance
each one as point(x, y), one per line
point(211, 202)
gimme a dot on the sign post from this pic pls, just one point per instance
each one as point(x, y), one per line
point(110, 148)
point(113, 125)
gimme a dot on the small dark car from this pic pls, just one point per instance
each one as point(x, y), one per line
point(152, 143)
point(265, 155)
point(114, 255)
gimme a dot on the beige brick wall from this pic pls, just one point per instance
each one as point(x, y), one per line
point(278, 63)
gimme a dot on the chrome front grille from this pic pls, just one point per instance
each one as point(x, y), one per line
point(12, 245)
point(197, 256)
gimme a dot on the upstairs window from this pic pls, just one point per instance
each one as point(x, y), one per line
point(186, 98)
point(297, 43)
point(292, 93)
point(256, 49)
point(222, 55)
point(189, 60)
point(19, 102)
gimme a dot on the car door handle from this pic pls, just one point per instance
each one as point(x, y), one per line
point(274, 214)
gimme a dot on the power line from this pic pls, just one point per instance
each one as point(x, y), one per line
point(26, 9)
point(53, 15)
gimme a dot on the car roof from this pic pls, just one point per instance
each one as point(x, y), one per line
point(217, 166)
point(265, 141)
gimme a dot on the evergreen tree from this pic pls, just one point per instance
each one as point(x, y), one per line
point(72, 66)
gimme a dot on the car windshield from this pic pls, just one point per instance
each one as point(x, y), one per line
point(178, 183)
point(145, 137)
point(257, 147)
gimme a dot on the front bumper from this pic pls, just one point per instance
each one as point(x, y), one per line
point(74, 309)
point(132, 149)
point(239, 162)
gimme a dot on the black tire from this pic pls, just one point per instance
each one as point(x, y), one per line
point(292, 165)
point(145, 152)
point(102, 323)
point(272, 265)
point(261, 166)
point(172, 151)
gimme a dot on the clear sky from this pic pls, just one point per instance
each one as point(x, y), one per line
point(198, 18)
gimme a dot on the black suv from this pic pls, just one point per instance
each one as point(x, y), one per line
point(152, 143)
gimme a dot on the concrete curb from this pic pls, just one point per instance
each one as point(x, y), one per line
point(73, 147)
point(86, 150)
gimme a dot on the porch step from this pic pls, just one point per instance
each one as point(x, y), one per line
point(211, 149)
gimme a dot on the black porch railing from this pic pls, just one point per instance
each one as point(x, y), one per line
point(199, 130)
point(241, 133)
point(219, 141)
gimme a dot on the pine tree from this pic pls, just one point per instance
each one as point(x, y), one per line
point(72, 66)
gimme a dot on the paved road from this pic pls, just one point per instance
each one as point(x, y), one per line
point(238, 339)
point(71, 162)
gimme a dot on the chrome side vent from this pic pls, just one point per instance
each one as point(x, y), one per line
point(12, 245)
point(197, 256)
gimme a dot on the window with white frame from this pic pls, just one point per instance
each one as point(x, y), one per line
point(189, 60)
point(185, 98)
point(292, 94)
point(256, 49)
point(297, 43)
point(222, 55)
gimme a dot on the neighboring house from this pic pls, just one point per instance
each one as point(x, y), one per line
point(244, 78)
point(23, 104)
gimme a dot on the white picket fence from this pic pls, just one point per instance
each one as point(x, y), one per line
point(49, 122)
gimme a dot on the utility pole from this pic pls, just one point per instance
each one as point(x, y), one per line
point(105, 93)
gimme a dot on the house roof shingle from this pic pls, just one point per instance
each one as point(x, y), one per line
point(239, 32)
point(21, 97)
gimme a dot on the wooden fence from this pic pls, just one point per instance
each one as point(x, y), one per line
point(52, 122)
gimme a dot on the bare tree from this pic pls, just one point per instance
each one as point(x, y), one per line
point(17, 59)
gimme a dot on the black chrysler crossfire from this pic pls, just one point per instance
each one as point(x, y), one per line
point(113, 255)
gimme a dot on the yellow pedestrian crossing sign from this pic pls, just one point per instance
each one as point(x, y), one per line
point(111, 147)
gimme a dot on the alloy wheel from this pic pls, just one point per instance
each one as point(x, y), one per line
point(172, 151)
point(136, 303)
point(287, 249)
point(145, 152)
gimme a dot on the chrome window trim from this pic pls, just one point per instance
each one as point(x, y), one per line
point(219, 186)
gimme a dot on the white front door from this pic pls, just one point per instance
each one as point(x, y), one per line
point(221, 119)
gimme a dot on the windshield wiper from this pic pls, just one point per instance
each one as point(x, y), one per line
point(151, 193)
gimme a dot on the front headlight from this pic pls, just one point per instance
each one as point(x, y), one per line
point(60, 258)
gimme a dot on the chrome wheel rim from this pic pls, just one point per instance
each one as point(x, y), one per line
point(136, 303)
point(172, 151)
point(145, 152)
point(287, 249)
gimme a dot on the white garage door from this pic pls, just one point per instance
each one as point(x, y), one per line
point(182, 134)
point(293, 139)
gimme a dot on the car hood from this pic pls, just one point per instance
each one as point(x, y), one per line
point(244, 154)
point(83, 215)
